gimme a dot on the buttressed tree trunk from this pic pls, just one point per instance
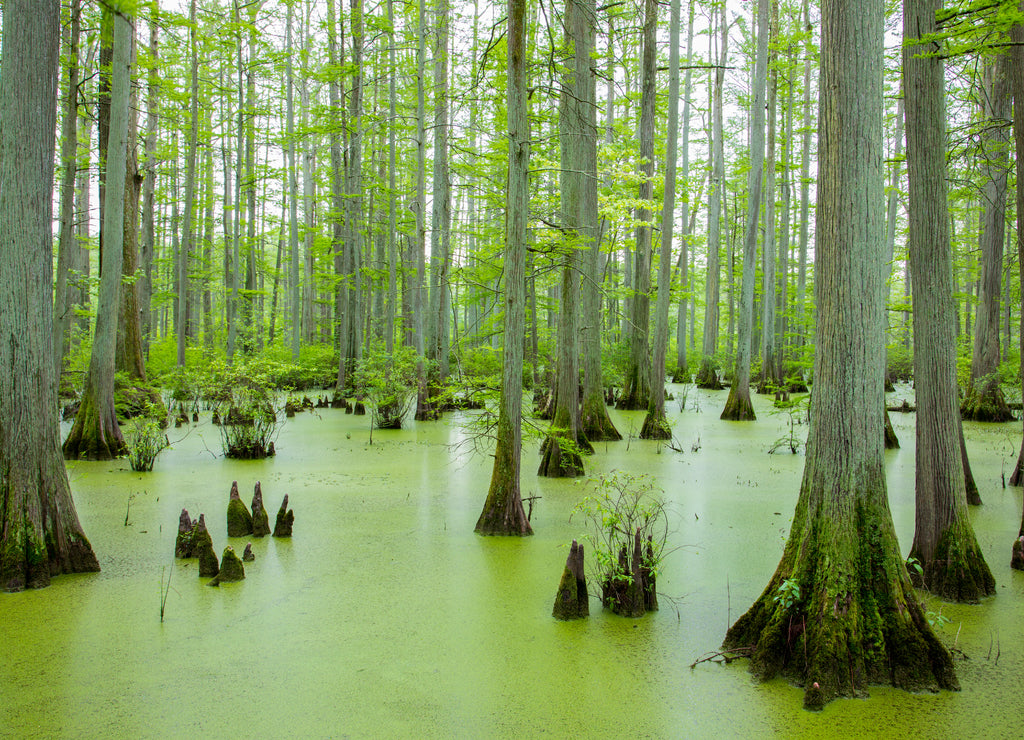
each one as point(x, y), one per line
point(95, 434)
point(950, 561)
point(503, 510)
point(40, 535)
point(840, 612)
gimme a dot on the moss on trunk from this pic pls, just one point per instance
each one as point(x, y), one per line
point(985, 402)
point(655, 426)
point(1017, 476)
point(95, 435)
point(503, 509)
point(892, 442)
point(856, 621)
point(958, 571)
point(595, 423)
point(738, 406)
point(707, 376)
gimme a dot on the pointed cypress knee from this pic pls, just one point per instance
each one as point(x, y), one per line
point(183, 546)
point(203, 547)
point(260, 518)
point(571, 601)
point(285, 518)
point(231, 568)
point(239, 518)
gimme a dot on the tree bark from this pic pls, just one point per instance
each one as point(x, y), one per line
point(856, 619)
point(40, 535)
point(188, 233)
point(738, 406)
point(707, 376)
point(503, 509)
point(656, 424)
point(95, 434)
point(637, 391)
point(983, 400)
point(1017, 62)
point(951, 562)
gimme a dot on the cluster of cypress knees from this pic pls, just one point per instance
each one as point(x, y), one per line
point(631, 591)
point(194, 539)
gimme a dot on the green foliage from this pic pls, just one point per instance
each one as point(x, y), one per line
point(388, 382)
point(797, 410)
point(620, 506)
point(249, 423)
point(899, 363)
point(787, 595)
point(145, 440)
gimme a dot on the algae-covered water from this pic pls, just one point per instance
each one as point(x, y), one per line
point(386, 616)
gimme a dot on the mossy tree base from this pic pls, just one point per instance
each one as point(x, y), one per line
point(41, 535)
point(1017, 555)
point(985, 402)
point(560, 456)
point(503, 513)
point(95, 435)
point(681, 374)
point(855, 619)
point(707, 377)
point(738, 406)
point(595, 424)
point(973, 497)
point(958, 572)
point(656, 426)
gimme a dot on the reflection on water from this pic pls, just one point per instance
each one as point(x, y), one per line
point(385, 615)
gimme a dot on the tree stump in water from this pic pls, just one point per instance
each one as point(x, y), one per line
point(1017, 559)
point(203, 547)
point(630, 591)
point(571, 601)
point(239, 518)
point(260, 518)
point(231, 568)
point(285, 518)
point(247, 554)
point(184, 546)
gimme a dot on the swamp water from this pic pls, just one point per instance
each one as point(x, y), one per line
point(386, 616)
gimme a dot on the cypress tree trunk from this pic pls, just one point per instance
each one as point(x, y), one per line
point(503, 509)
point(1017, 62)
point(95, 434)
point(952, 565)
point(148, 237)
point(595, 424)
point(984, 399)
point(855, 619)
point(637, 391)
point(707, 376)
point(40, 535)
point(655, 423)
point(682, 371)
point(188, 233)
point(738, 406)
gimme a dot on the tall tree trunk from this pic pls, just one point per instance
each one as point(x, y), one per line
point(802, 312)
point(293, 193)
point(40, 535)
point(857, 620)
point(188, 233)
point(95, 434)
point(440, 234)
point(707, 377)
point(637, 391)
point(951, 562)
point(63, 293)
point(1017, 61)
point(503, 509)
point(424, 409)
point(682, 371)
point(738, 406)
point(148, 237)
point(984, 399)
point(655, 423)
point(595, 424)
point(771, 373)
point(392, 305)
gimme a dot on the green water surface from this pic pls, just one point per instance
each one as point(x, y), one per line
point(386, 616)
